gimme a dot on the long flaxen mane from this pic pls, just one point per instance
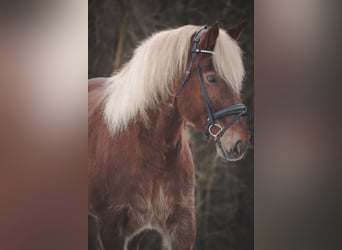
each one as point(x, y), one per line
point(147, 79)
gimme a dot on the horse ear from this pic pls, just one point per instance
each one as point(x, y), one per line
point(211, 36)
point(236, 31)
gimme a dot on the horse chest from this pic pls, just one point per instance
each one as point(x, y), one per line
point(155, 207)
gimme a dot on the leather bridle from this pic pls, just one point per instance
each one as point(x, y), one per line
point(237, 110)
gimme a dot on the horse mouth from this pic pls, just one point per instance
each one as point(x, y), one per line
point(230, 156)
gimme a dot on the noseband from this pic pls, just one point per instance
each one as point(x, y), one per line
point(237, 110)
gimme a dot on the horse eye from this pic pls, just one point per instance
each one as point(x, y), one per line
point(212, 78)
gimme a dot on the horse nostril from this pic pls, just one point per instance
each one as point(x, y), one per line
point(237, 148)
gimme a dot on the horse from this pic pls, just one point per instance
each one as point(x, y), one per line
point(140, 167)
point(94, 239)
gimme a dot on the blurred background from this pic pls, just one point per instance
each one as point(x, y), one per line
point(224, 191)
point(297, 126)
point(43, 124)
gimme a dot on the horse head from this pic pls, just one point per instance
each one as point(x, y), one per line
point(208, 96)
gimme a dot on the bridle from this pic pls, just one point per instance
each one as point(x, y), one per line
point(237, 110)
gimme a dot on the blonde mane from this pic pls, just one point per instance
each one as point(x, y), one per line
point(147, 78)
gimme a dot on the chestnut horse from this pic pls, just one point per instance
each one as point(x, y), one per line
point(141, 172)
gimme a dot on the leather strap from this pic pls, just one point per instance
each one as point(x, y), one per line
point(238, 109)
point(194, 52)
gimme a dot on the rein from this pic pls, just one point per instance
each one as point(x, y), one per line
point(238, 109)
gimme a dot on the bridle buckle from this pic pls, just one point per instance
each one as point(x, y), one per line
point(214, 125)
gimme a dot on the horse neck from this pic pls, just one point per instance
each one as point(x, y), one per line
point(165, 126)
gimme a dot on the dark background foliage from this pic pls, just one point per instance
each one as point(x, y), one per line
point(224, 191)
